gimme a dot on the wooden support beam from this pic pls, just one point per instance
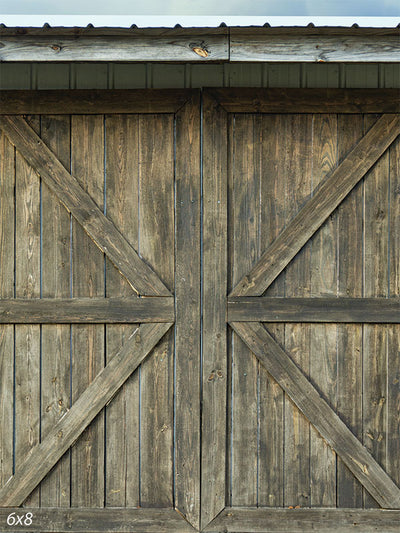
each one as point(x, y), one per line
point(262, 100)
point(320, 310)
point(41, 459)
point(87, 310)
point(317, 209)
point(121, 520)
point(251, 520)
point(67, 189)
point(355, 456)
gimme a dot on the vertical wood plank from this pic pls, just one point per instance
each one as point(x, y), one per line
point(27, 285)
point(376, 227)
point(122, 414)
point(296, 156)
point(215, 371)
point(323, 366)
point(55, 488)
point(273, 184)
point(156, 246)
point(7, 214)
point(87, 165)
point(350, 284)
point(245, 213)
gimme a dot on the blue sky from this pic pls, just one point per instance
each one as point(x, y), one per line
point(374, 8)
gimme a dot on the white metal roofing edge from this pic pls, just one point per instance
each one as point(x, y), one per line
point(170, 21)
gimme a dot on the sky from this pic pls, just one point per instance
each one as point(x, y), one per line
point(339, 8)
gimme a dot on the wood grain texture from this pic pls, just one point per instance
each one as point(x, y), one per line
point(44, 456)
point(215, 371)
point(318, 412)
point(324, 201)
point(312, 100)
point(83, 207)
point(87, 310)
point(248, 520)
point(188, 303)
point(91, 101)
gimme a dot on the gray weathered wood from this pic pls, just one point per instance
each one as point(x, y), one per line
point(86, 310)
point(101, 390)
point(320, 49)
point(318, 412)
point(90, 101)
point(250, 520)
point(319, 310)
point(325, 200)
point(82, 207)
point(295, 100)
point(49, 520)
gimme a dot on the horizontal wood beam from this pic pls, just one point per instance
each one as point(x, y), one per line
point(320, 310)
point(90, 101)
point(194, 48)
point(332, 191)
point(260, 520)
point(244, 100)
point(314, 48)
point(144, 520)
point(87, 310)
point(306, 397)
point(41, 459)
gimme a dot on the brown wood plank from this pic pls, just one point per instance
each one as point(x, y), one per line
point(215, 372)
point(86, 310)
point(350, 248)
point(318, 412)
point(245, 212)
point(323, 310)
point(323, 337)
point(56, 283)
point(281, 100)
point(325, 200)
point(85, 101)
point(83, 207)
point(249, 520)
point(161, 520)
point(187, 329)
point(7, 228)
point(156, 246)
point(27, 284)
point(44, 456)
point(122, 414)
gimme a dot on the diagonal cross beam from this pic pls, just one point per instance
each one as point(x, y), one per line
point(314, 213)
point(66, 187)
point(101, 390)
point(356, 457)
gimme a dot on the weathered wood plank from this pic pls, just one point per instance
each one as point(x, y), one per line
point(51, 520)
point(83, 207)
point(295, 100)
point(92, 101)
point(27, 284)
point(86, 310)
point(132, 48)
point(215, 372)
point(301, 520)
point(7, 238)
point(43, 456)
point(187, 294)
point(56, 283)
point(318, 48)
point(318, 412)
point(156, 246)
point(325, 200)
point(318, 310)
point(87, 341)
